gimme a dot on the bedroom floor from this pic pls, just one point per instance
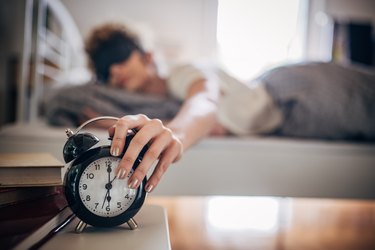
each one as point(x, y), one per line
point(225, 222)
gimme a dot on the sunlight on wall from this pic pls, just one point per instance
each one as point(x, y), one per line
point(243, 213)
point(255, 35)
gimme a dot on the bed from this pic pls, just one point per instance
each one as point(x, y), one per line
point(239, 166)
point(270, 166)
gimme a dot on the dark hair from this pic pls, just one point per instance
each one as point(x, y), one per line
point(109, 44)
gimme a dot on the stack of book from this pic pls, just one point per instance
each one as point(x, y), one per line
point(31, 198)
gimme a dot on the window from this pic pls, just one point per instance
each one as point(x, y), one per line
point(258, 34)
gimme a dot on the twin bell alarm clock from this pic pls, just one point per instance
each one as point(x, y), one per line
point(91, 188)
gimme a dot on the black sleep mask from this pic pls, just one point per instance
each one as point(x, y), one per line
point(116, 49)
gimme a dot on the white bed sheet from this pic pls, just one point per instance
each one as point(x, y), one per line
point(239, 166)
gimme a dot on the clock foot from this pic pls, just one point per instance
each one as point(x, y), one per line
point(80, 227)
point(132, 224)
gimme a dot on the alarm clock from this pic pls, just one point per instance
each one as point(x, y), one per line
point(91, 188)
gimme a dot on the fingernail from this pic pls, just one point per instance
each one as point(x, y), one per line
point(133, 184)
point(149, 188)
point(120, 173)
point(115, 151)
point(123, 174)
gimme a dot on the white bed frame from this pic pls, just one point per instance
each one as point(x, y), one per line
point(54, 45)
point(240, 166)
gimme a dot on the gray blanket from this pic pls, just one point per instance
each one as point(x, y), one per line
point(65, 106)
point(324, 101)
point(318, 100)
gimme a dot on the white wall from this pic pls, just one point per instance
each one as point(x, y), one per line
point(186, 29)
point(183, 29)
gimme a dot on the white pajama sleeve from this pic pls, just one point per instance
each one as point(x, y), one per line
point(248, 110)
point(181, 78)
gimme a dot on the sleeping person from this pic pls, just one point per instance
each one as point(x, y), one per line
point(311, 100)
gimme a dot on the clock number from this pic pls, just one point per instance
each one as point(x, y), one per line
point(97, 166)
point(118, 204)
point(90, 176)
point(108, 163)
point(88, 198)
point(84, 186)
point(127, 196)
point(107, 208)
point(96, 205)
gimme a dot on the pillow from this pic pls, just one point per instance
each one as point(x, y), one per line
point(65, 106)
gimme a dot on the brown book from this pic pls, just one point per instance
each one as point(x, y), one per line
point(30, 169)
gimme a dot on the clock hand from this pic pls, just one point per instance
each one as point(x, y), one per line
point(108, 186)
point(105, 197)
point(108, 197)
point(112, 180)
point(109, 170)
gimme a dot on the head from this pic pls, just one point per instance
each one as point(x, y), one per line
point(117, 57)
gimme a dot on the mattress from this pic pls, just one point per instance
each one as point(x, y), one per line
point(256, 166)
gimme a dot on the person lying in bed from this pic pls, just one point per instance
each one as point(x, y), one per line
point(315, 100)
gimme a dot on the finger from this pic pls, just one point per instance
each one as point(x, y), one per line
point(168, 157)
point(111, 130)
point(139, 141)
point(120, 130)
point(153, 154)
point(119, 135)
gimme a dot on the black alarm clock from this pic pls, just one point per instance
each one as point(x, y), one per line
point(92, 190)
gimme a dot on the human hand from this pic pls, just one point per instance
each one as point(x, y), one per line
point(163, 146)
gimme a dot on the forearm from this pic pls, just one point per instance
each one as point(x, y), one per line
point(195, 119)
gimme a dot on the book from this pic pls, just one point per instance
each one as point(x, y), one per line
point(12, 195)
point(47, 231)
point(30, 169)
point(34, 218)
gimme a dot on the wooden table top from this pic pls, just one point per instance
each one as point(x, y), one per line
point(229, 222)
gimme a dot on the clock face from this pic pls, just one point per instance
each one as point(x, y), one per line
point(101, 192)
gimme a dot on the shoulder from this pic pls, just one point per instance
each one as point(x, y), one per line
point(183, 76)
point(187, 71)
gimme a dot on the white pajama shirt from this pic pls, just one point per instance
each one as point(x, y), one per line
point(243, 109)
